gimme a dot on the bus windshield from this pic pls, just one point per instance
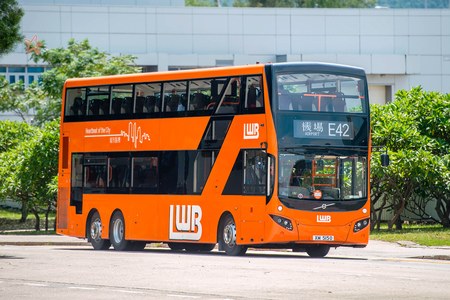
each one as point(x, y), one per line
point(320, 93)
point(325, 177)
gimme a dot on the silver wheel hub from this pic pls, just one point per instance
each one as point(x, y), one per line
point(118, 231)
point(96, 230)
point(229, 235)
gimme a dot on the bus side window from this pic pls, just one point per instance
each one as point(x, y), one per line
point(148, 99)
point(175, 97)
point(254, 100)
point(75, 102)
point(231, 99)
point(123, 100)
point(119, 173)
point(145, 175)
point(200, 95)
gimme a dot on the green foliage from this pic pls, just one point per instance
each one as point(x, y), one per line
point(306, 3)
point(416, 130)
point(78, 60)
point(10, 16)
point(28, 168)
point(414, 3)
point(336, 4)
point(15, 98)
point(12, 133)
point(206, 3)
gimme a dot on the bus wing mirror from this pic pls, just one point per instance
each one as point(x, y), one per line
point(384, 159)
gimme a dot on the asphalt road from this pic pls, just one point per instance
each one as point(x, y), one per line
point(78, 272)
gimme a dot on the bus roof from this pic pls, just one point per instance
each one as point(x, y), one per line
point(314, 67)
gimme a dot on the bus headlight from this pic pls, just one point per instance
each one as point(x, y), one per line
point(283, 222)
point(360, 225)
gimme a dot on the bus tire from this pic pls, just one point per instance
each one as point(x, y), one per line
point(176, 246)
point(117, 233)
point(95, 233)
point(228, 238)
point(317, 251)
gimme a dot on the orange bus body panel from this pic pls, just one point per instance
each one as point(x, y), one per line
point(155, 217)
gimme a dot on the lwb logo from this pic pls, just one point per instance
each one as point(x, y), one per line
point(251, 131)
point(187, 223)
point(323, 218)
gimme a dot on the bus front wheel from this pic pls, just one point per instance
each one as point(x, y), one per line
point(117, 232)
point(228, 238)
point(95, 233)
point(318, 251)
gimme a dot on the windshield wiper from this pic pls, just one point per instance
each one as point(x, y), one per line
point(292, 151)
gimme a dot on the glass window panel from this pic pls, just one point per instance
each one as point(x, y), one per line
point(148, 98)
point(254, 92)
point(200, 95)
point(122, 99)
point(145, 173)
point(98, 101)
point(16, 69)
point(35, 70)
point(320, 92)
point(119, 172)
point(75, 102)
point(175, 96)
point(231, 98)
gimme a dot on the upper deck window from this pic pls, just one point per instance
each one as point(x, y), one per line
point(317, 92)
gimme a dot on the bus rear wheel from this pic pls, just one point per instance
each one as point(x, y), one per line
point(318, 251)
point(95, 233)
point(228, 238)
point(117, 233)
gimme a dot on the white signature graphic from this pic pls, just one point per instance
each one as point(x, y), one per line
point(134, 134)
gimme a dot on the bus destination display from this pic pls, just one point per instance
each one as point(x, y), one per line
point(323, 129)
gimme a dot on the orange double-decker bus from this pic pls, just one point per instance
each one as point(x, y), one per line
point(266, 155)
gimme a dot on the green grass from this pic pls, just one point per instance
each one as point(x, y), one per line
point(422, 234)
point(9, 220)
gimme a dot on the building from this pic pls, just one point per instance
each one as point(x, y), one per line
point(399, 49)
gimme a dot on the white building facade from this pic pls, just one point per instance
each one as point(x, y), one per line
point(399, 49)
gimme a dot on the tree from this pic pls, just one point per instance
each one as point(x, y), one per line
point(336, 4)
point(11, 135)
point(415, 127)
point(79, 59)
point(28, 169)
point(414, 3)
point(15, 98)
point(306, 3)
point(206, 3)
point(10, 16)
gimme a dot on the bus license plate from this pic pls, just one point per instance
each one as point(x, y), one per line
point(323, 238)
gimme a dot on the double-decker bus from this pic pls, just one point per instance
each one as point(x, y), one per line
point(262, 156)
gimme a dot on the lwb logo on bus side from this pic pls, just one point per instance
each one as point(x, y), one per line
point(251, 131)
point(187, 220)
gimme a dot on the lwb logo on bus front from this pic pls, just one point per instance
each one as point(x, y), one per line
point(251, 131)
point(187, 223)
